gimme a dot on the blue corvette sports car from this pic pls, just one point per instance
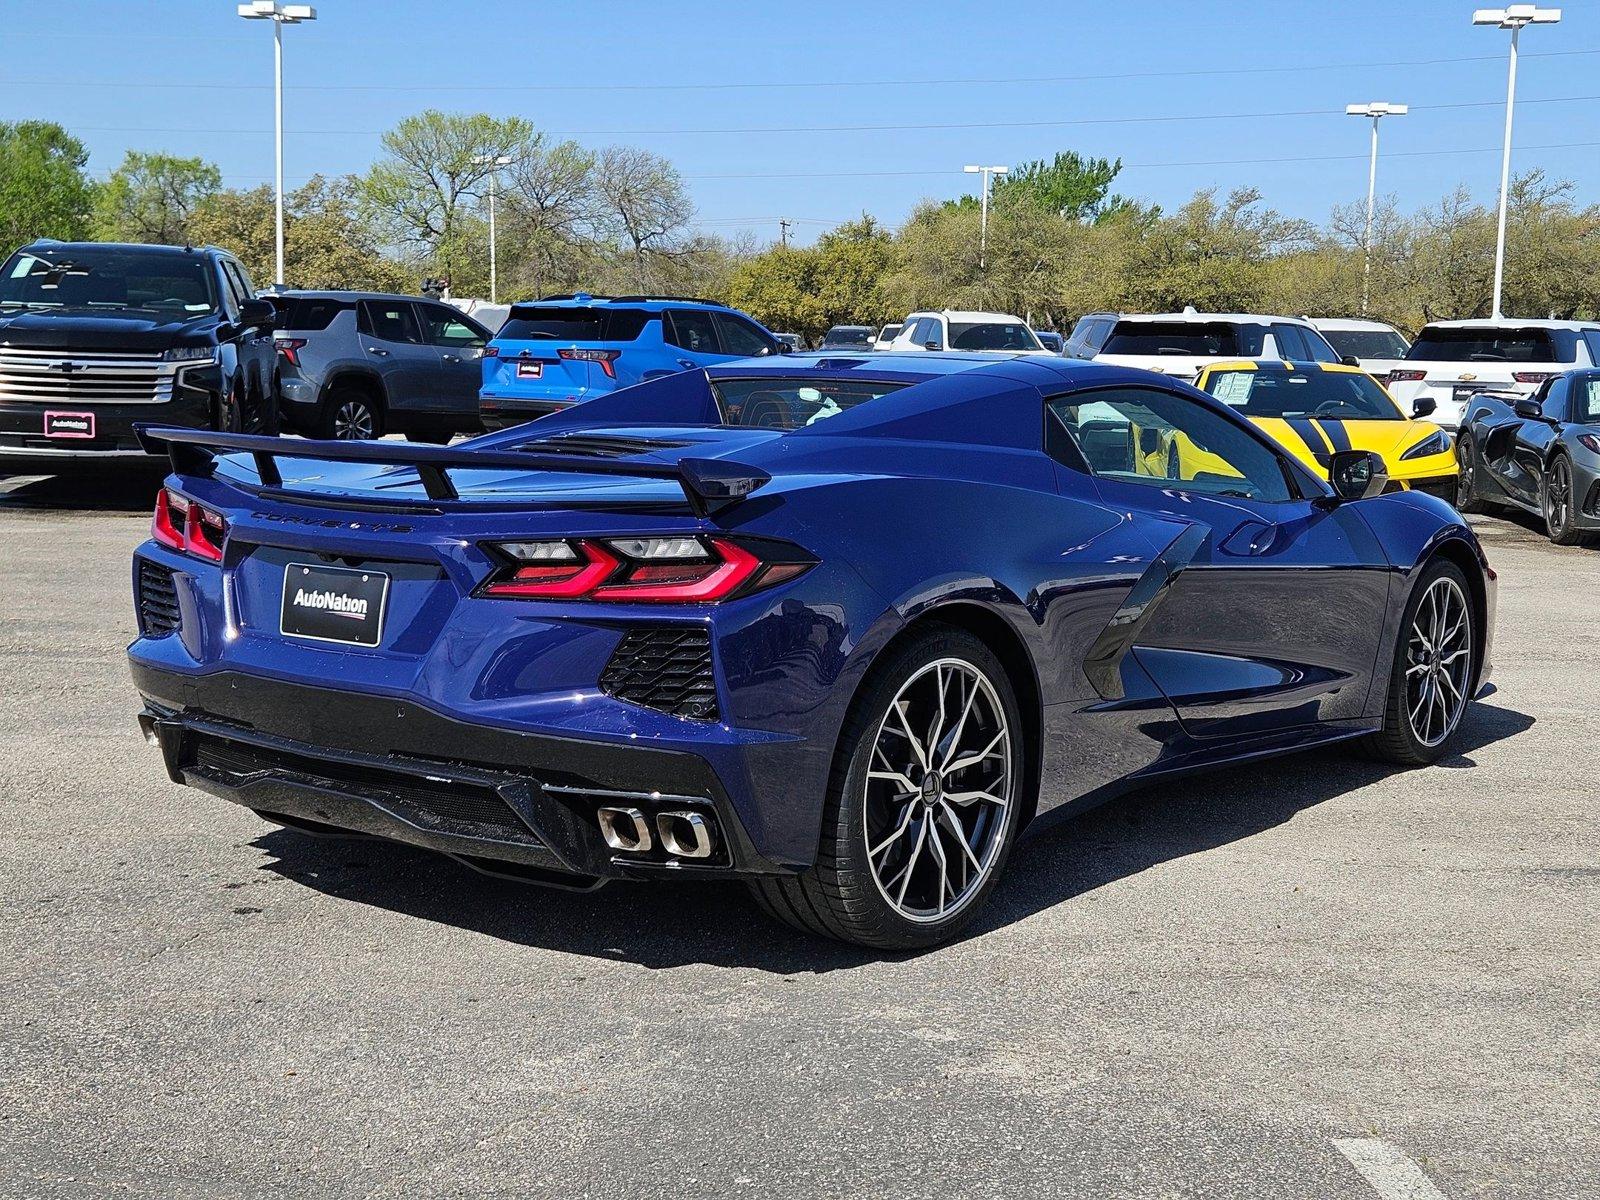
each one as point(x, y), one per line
point(838, 625)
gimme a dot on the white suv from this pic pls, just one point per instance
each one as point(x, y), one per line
point(952, 330)
point(1376, 346)
point(1182, 344)
point(1452, 361)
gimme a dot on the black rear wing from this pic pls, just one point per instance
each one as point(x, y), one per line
point(709, 485)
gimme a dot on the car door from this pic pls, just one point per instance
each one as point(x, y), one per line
point(693, 336)
point(391, 341)
point(741, 338)
point(459, 341)
point(1265, 603)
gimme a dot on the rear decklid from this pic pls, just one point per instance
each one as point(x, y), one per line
point(562, 351)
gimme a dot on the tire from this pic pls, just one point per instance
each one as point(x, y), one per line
point(231, 410)
point(1467, 499)
point(862, 896)
point(1555, 501)
point(1399, 740)
point(349, 414)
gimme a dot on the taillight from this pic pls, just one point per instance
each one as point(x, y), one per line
point(490, 352)
point(641, 570)
point(181, 524)
point(1590, 441)
point(290, 349)
point(1400, 376)
point(1531, 376)
point(604, 357)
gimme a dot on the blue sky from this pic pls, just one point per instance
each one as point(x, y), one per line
point(120, 75)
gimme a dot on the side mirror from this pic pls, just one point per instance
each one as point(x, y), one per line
point(1357, 474)
point(1350, 360)
point(1527, 408)
point(934, 345)
point(1423, 406)
point(256, 314)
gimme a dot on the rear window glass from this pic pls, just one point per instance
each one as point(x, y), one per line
point(532, 323)
point(1184, 338)
point(792, 403)
point(1366, 343)
point(992, 335)
point(304, 313)
point(1486, 345)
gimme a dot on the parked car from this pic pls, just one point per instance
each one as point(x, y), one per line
point(95, 336)
point(562, 350)
point(1452, 361)
point(1051, 340)
point(886, 336)
point(792, 342)
point(955, 330)
point(1540, 453)
point(1374, 346)
point(848, 337)
point(643, 640)
point(356, 365)
point(1316, 410)
point(1182, 343)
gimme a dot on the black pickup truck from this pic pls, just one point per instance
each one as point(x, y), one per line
point(95, 336)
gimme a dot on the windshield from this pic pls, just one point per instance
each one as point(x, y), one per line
point(779, 403)
point(178, 286)
point(992, 335)
point(1487, 345)
point(847, 335)
point(1199, 339)
point(1334, 395)
point(1366, 343)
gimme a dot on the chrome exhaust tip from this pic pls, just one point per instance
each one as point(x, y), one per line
point(624, 829)
point(684, 834)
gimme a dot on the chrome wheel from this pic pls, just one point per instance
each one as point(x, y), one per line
point(352, 421)
point(1438, 662)
point(1558, 497)
point(939, 791)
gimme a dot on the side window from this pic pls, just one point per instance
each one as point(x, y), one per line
point(443, 326)
point(240, 280)
point(1591, 339)
point(692, 329)
point(390, 321)
point(244, 277)
point(1321, 350)
point(934, 333)
point(740, 337)
point(1552, 397)
point(231, 296)
point(1160, 439)
point(1291, 344)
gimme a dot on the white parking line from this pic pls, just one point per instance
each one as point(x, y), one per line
point(1391, 1174)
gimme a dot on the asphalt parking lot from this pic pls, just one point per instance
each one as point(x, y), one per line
point(1200, 990)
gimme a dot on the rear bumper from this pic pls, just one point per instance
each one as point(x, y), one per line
point(513, 803)
point(499, 413)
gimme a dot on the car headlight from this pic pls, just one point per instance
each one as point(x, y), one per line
point(189, 354)
point(1437, 442)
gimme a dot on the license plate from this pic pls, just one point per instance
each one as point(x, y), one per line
point(333, 604)
point(1466, 391)
point(68, 424)
point(530, 370)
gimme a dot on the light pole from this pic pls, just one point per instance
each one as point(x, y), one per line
point(494, 163)
point(983, 220)
point(280, 15)
point(1512, 18)
point(1377, 110)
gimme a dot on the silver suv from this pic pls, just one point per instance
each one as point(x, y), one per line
point(362, 364)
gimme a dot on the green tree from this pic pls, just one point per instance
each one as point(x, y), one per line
point(1069, 185)
point(151, 197)
point(43, 189)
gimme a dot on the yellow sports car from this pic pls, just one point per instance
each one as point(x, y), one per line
point(1314, 409)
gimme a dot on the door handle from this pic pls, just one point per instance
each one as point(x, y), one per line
point(450, 358)
point(377, 351)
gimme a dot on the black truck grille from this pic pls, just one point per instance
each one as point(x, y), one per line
point(667, 668)
point(158, 600)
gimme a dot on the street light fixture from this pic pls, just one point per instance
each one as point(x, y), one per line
point(983, 220)
point(1513, 18)
point(1377, 110)
point(493, 162)
point(280, 15)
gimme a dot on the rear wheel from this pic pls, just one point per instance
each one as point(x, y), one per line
point(1431, 679)
point(1559, 521)
point(349, 415)
point(1467, 476)
point(924, 802)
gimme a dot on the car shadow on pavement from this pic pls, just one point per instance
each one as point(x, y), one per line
point(669, 924)
point(102, 488)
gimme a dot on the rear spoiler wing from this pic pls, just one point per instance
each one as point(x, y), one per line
point(709, 485)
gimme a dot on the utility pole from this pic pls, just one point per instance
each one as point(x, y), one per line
point(983, 220)
point(494, 163)
point(783, 232)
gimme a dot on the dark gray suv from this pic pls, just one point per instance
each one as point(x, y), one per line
point(363, 364)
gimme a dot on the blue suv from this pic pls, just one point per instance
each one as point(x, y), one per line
point(553, 353)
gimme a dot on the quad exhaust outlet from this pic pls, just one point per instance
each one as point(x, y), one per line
point(625, 829)
point(684, 834)
point(680, 833)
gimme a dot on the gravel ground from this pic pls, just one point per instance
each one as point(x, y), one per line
point(1190, 992)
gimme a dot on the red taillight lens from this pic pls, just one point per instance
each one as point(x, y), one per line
point(1590, 441)
point(181, 524)
point(290, 348)
point(1399, 376)
point(491, 352)
point(1531, 376)
point(604, 357)
point(647, 570)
